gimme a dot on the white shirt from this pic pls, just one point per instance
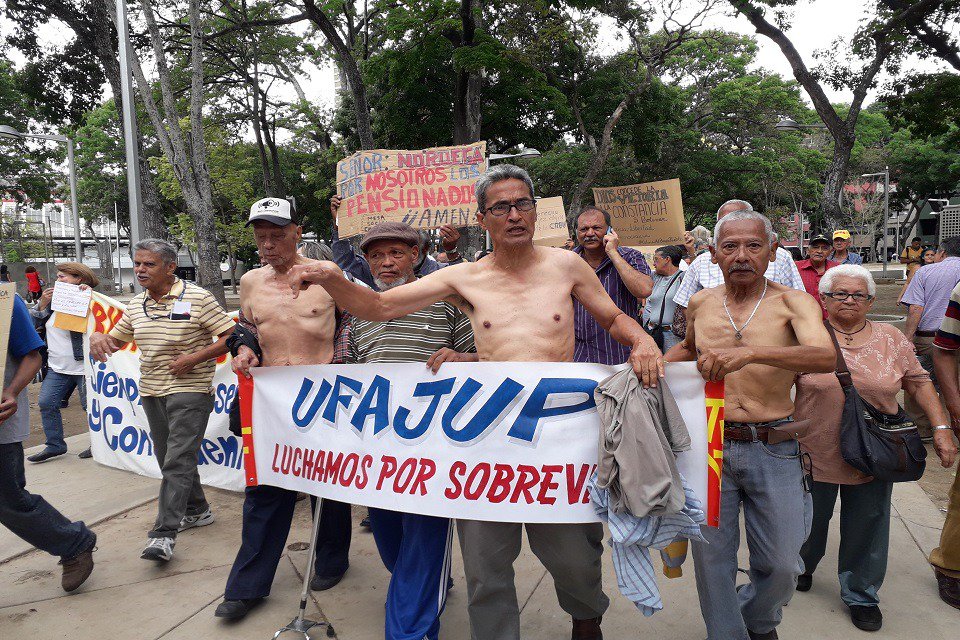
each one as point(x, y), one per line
point(705, 274)
point(60, 351)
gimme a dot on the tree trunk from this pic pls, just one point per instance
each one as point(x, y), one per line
point(833, 182)
point(466, 94)
point(348, 65)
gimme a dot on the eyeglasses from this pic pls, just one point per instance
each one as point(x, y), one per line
point(523, 205)
point(857, 297)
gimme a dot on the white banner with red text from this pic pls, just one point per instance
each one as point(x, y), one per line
point(505, 441)
point(119, 433)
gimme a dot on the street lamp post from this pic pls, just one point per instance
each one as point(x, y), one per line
point(789, 124)
point(526, 153)
point(9, 133)
point(886, 210)
point(129, 124)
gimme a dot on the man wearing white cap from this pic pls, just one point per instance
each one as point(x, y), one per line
point(291, 331)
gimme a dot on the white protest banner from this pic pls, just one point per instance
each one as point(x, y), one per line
point(551, 229)
point(504, 441)
point(119, 432)
point(71, 299)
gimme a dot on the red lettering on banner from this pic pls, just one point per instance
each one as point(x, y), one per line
point(318, 467)
point(404, 475)
point(428, 468)
point(308, 456)
point(502, 481)
point(297, 465)
point(482, 470)
point(352, 462)
point(528, 477)
point(548, 484)
point(457, 468)
point(387, 470)
point(331, 470)
point(575, 488)
point(273, 465)
point(365, 464)
point(285, 461)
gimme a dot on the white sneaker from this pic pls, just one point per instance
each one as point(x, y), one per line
point(159, 549)
point(200, 520)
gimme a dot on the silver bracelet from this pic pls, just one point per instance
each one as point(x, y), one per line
point(942, 427)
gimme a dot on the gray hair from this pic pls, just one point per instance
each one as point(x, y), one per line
point(166, 251)
point(847, 271)
point(744, 206)
point(316, 250)
point(745, 214)
point(497, 173)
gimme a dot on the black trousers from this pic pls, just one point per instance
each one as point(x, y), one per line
point(267, 514)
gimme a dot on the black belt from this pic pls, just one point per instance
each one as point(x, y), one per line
point(750, 431)
point(925, 334)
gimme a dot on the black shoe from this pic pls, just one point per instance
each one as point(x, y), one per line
point(866, 618)
point(86, 453)
point(769, 635)
point(321, 583)
point(804, 582)
point(45, 455)
point(236, 609)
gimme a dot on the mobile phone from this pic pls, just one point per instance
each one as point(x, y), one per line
point(609, 230)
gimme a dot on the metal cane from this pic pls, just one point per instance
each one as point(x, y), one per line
point(299, 624)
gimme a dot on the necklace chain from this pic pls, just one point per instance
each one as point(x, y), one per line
point(848, 335)
point(738, 332)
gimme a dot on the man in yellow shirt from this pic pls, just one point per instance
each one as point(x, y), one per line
point(180, 329)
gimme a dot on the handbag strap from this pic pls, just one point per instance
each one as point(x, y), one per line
point(842, 371)
point(666, 292)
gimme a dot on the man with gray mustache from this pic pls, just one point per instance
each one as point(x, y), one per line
point(755, 335)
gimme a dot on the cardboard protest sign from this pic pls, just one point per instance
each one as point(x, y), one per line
point(70, 305)
point(7, 292)
point(551, 230)
point(649, 214)
point(425, 189)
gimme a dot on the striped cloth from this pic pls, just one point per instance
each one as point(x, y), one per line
point(161, 336)
point(591, 342)
point(631, 539)
point(948, 335)
point(412, 338)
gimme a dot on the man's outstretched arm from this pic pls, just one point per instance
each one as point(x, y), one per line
point(368, 304)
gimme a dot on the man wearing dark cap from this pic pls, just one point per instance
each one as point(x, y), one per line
point(816, 264)
point(415, 548)
point(291, 331)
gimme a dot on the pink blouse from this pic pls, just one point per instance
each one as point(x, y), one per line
point(878, 368)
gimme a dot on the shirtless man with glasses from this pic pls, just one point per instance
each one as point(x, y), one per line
point(520, 302)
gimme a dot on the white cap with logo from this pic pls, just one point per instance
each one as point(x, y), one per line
point(273, 210)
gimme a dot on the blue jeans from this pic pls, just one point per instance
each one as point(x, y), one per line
point(56, 388)
point(767, 480)
point(31, 517)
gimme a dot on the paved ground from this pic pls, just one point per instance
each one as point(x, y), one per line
point(131, 599)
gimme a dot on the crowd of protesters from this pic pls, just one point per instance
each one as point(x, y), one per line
point(732, 300)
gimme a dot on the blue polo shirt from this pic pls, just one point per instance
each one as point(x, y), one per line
point(23, 340)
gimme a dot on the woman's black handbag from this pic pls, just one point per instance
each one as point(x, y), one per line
point(885, 446)
point(656, 331)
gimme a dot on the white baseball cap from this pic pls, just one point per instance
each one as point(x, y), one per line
point(273, 210)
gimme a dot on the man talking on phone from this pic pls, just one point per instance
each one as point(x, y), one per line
point(625, 276)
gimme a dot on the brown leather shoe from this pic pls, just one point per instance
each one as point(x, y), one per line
point(949, 589)
point(587, 629)
point(76, 570)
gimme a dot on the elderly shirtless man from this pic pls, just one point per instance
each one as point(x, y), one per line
point(520, 303)
point(291, 331)
point(756, 335)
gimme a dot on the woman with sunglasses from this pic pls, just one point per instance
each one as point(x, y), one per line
point(881, 362)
